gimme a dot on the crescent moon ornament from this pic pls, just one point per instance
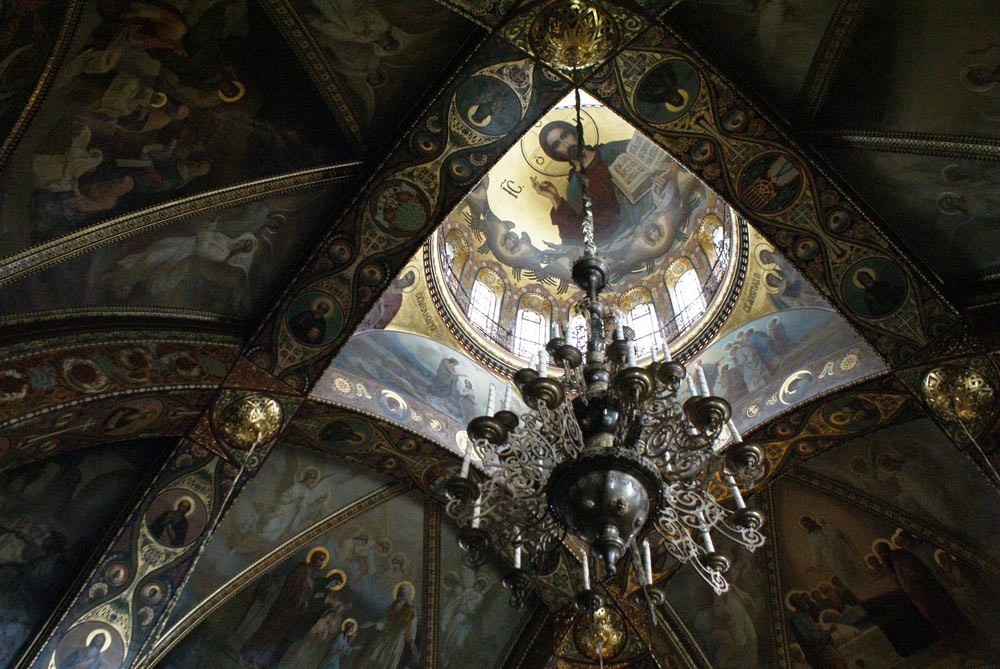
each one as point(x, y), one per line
point(319, 549)
point(159, 99)
point(96, 633)
point(240, 92)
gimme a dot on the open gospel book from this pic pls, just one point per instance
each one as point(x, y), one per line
point(632, 171)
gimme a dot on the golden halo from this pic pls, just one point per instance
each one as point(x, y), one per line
point(93, 635)
point(343, 579)
point(307, 470)
point(395, 590)
point(323, 300)
point(940, 206)
point(975, 88)
point(240, 92)
point(190, 500)
point(319, 549)
point(349, 621)
point(472, 110)
point(854, 279)
point(939, 557)
point(159, 99)
point(788, 598)
point(685, 95)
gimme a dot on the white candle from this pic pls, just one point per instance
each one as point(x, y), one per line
point(707, 538)
point(517, 551)
point(735, 489)
point(466, 460)
point(691, 388)
point(491, 400)
point(569, 330)
point(555, 330)
point(666, 353)
point(630, 358)
point(620, 331)
point(703, 381)
point(647, 561)
point(586, 570)
point(543, 363)
point(737, 439)
point(506, 397)
point(475, 515)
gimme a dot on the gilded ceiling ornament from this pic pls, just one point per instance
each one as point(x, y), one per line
point(250, 420)
point(957, 393)
point(601, 634)
point(573, 34)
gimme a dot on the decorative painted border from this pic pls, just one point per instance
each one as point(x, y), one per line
point(66, 32)
point(839, 32)
point(916, 143)
point(432, 576)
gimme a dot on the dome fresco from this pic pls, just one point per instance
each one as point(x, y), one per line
point(518, 232)
point(303, 199)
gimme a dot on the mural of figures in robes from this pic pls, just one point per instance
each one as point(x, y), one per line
point(891, 465)
point(53, 514)
point(732, 629)
point(376, 49)
point(421, 370)
point(394, 641)
point(475, 621)
point(784, 355)
point(331, 604)
point(221, 262)
point(860, 592)
point(155, 103)
point(294, 489)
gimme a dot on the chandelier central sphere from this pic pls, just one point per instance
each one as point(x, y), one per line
point(607, 458)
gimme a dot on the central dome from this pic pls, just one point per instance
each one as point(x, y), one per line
point(500, 264)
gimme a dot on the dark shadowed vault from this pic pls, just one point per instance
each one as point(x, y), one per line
point(204, 200)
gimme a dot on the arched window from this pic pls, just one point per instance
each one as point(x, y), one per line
point(529, 333)
point(686, 293)
point(712, 238)
point(640, 315)
point(484, 302)
point(531, 326)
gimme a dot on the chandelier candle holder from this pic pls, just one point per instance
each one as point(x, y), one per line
point(608, 455)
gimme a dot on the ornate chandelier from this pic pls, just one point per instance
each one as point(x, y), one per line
point(607, 459)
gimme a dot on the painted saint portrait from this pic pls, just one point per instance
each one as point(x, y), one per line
point(874, 288)
point(90, 645)
point(667, 91)
point(314, 318)
point(176, 518)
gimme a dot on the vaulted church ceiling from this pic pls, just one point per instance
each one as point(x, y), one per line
point(294, 200)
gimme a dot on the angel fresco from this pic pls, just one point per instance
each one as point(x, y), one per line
point(642, 204)
point(370, 42)
point(467, 596)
